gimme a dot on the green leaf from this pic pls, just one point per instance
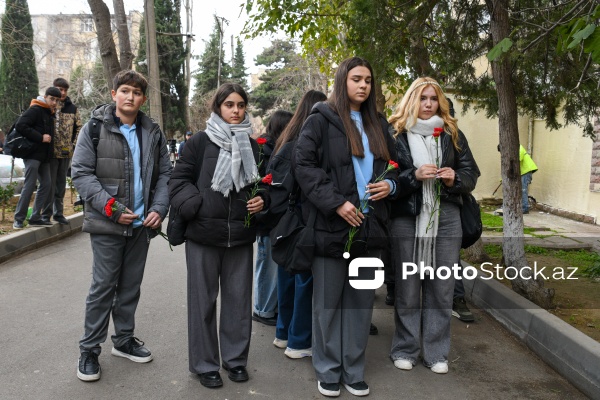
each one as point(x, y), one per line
point(502, 47)
point(581, 35)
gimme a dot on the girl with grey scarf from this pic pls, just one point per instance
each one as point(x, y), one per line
point(210, 188)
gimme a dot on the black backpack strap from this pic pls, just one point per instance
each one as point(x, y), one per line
point(94, 128)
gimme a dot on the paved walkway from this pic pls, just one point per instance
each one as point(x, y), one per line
point(558, 232)
point(42, 296)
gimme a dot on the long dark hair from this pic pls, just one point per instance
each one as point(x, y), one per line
point(223, 92)
point(291, 132)
point(277, 123)
point(340, 103)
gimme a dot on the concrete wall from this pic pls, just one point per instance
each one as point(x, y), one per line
point(564, 158)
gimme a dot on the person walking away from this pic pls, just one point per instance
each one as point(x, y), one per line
point(122, 177)
point(436, 167)
point(265, 271)
point(188, 136)
point(37, 125)
point(359, 153)
point(68, 124)
point(215, 189)
point(293, 331)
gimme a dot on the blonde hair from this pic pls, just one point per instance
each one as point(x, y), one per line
point(405, 116)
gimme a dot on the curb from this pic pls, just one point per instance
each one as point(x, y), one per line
point(32, 238)
point(571, 353)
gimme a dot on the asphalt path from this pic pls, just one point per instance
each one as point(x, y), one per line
point(42, 298)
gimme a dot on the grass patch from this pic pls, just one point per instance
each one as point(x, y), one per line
point(491, 221)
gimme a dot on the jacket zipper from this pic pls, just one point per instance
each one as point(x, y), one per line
point(229, 224)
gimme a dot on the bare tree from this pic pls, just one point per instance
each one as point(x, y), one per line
point(126, 55)
point(108, 51)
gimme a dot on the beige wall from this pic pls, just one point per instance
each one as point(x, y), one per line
point(564, 159)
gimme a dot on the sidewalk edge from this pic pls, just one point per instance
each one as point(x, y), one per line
point(571, 353)
point(32, 238)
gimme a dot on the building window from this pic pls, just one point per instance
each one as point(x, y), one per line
point(87, 25)
point(595, 175)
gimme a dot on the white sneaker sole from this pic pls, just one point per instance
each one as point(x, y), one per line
point(88, 378)
point(403, 364)
point(440, 368)
point(296, 354)
point(356, 392)
point(328, 393)
point(118, 353)
point(280, 344)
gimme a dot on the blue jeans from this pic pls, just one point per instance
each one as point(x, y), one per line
point(294, 295)
point(525, 181)
point(265, 279)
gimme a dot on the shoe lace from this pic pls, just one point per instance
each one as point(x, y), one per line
point(135, 343)
point(89, 358)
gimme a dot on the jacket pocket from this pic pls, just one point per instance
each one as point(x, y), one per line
point(111, 189)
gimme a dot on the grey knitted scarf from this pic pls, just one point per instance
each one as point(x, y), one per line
point(236, 167)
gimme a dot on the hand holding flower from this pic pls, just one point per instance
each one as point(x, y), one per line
point(378, 191)
point(447, 175)
point(350, 214)
point(255, 205)
point(426, 171)
point(153, 220)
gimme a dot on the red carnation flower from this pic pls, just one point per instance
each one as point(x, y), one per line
point(108, 208)
point(393, 164)
point(437, 132)
point(268, 179)
point(261, 141)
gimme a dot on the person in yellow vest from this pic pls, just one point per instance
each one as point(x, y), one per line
point(528, 167)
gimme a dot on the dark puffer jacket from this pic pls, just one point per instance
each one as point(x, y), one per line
point(212, 219)
point(35, 122)
point(462, 162)
point(326, 191)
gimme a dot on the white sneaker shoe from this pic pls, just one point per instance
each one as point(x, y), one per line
point(403, 364)
point(440, 367)
point(279, 343)
point(293, 353)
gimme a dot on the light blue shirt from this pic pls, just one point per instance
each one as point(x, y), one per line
point(363, 167)
point(138, 193)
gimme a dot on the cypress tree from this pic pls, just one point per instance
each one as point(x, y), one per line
point(206, 79)
point(238, 70)
point(18, 75)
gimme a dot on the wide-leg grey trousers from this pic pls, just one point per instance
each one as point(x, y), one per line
point(424, 307)
point(341, 321)
point(211, 268)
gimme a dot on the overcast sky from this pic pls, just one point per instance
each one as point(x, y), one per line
point(203, 21)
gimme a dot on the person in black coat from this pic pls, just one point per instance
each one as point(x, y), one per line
point(348, 197)
point(436, 167)
point(265, 271)
point(37, 125)
point(212, 188)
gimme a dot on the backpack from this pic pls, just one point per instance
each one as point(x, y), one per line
point(282, 187)
point(17, 145)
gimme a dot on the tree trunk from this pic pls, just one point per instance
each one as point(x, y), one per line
point(126, 55)
point(513, 242)
point(476, 253)
point(108, 51)
point(379, 96)
point(152, 59)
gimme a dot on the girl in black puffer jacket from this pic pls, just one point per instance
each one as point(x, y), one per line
point(211, 189)
point(359, 150)
point(436, 168)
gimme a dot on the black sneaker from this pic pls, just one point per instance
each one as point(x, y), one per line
point(264, 320)
point(89, 368)
point(461, 311)
point(358, 389)
point(40, 222)
point(329, 389)
point(61, 220)
point(373, 330)
point(134, 350)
